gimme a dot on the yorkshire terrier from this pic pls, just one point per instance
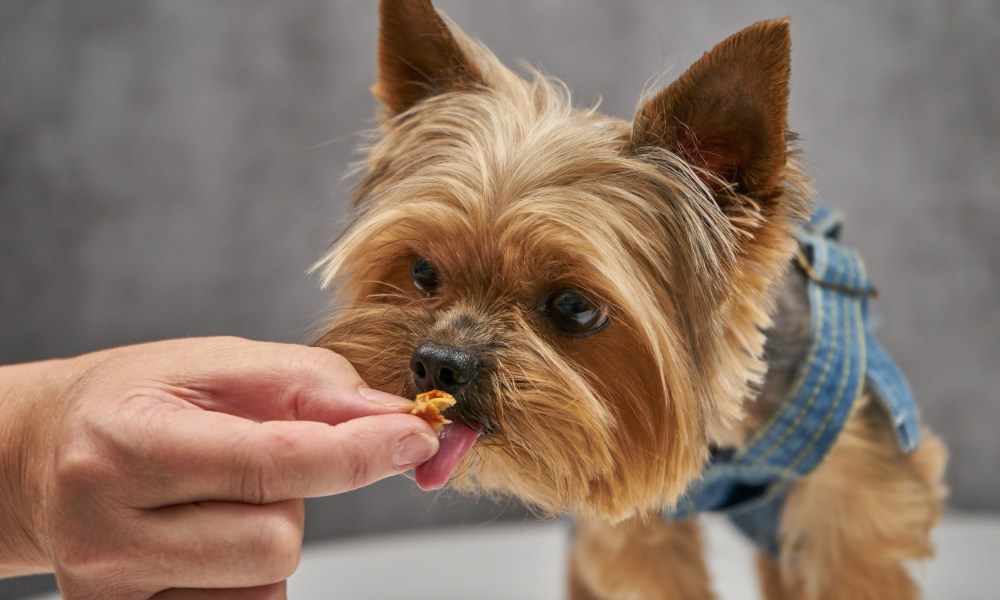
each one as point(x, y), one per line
point(639, 321)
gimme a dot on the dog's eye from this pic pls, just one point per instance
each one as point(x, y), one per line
point(424, 277)
point(575, 314)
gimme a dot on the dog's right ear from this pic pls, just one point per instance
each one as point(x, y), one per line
point(418, 56)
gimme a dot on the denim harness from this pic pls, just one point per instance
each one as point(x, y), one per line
point(750, 484)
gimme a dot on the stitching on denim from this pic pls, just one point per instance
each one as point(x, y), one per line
point(815, 392)
point(818, 321)
point(842, 395)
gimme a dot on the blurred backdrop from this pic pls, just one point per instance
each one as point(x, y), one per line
point(172, 168)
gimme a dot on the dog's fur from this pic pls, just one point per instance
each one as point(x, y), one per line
point(680, 223)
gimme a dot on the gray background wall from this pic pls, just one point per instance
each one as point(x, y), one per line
point(172, 168)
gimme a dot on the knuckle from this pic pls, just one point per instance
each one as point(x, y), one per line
point(84, 512)
point(356, 467)
point(360, 474)
point(78, 560)
point(318, 373)
point(79, 467)
point(81, 556)
point(265, 471)
point(321, 359)
point(256, 480)
point(277, 546)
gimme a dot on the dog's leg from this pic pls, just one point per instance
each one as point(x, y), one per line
point(849, 529)
point(641, 558)
point(771, 585)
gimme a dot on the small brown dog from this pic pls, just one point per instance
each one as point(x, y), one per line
point(629, 314)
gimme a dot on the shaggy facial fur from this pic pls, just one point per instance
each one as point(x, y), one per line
point(512, 194)
point(501, 194)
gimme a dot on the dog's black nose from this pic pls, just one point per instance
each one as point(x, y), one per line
point(443, 368)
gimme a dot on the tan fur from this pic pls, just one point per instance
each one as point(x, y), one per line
point(643, 558)
point(850, 528)
point(680, 223)
point(848, 533)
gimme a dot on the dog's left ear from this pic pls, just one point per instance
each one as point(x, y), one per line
point(728, 113)
point(418, 56)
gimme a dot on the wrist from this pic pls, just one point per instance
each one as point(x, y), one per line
point(30, 395)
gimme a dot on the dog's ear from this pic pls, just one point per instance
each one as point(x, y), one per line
point(728, 113)
point(418, 56)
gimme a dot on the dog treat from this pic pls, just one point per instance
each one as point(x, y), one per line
point(430, 405)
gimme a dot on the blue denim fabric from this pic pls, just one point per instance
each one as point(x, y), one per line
point(750, 484)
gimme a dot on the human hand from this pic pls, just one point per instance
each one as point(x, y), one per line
point(182, 464)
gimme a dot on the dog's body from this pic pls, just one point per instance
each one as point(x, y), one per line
point(596, 295)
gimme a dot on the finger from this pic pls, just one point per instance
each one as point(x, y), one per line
point(275, 591)
point(269, 381)
point(222, 544)
point(186, 455)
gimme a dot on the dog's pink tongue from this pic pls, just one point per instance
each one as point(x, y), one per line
point(455, 442)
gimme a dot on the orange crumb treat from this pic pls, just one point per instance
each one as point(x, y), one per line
point(429, 406)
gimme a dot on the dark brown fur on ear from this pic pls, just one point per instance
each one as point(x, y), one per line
point(727, 114)
point(417, 56)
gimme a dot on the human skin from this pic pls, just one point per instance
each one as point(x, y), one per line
point(178, 468)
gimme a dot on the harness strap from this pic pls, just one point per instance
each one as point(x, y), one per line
point(802, 431)
point(750, 483)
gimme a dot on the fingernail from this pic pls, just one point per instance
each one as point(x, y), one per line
point(383, 399)
point(415, 449)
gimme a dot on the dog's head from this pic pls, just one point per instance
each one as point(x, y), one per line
point(592, 291)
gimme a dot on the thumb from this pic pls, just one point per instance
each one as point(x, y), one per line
point(373, 448)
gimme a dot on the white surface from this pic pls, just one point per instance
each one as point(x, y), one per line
point(495, 562)
point(527, 562)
